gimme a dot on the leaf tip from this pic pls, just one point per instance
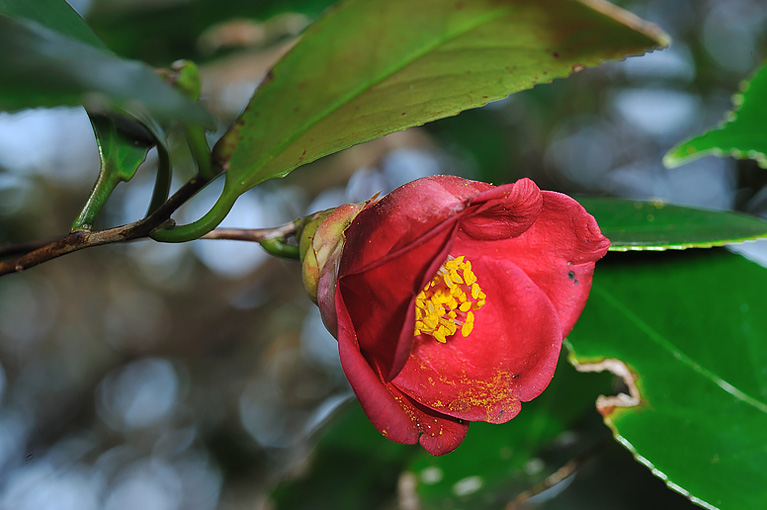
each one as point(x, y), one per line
point(683, 153)
point(671, 159)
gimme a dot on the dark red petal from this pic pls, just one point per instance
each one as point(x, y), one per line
point(509, 357)
point(564, 273)
point(386, 282)
point(557, 252)
point(440, 434)
point(502, 212)
point(379, 300)
point(387, 414)
point(395, 415)
point(402, 217)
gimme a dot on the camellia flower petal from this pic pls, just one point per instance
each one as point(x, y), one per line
point(450, 299)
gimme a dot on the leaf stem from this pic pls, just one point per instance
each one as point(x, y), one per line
point(198, 145)
point(273, 240)
point(102, 189)
point(196, 229)
point(162, 181)
point(257, 235)
point(280, 248)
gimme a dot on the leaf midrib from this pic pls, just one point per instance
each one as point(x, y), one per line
point(417, 55)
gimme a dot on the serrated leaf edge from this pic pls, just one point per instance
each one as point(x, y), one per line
point(663, 247)
point(673, 160)
point(606, 405)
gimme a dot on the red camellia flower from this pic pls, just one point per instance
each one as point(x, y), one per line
point(450, 299)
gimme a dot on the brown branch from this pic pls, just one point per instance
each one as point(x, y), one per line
point(252, 234)
point(12, 250)
point(33, 254)
point(79, 240)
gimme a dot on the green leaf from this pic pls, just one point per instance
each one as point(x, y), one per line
point(687, 332)
point(121, 151)
point(742, 135)
point(636, 225)
point(372, 67)
point(57, 15)
point(43, 68)
point(496, 459)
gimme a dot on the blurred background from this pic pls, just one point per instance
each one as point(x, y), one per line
point(197, 376)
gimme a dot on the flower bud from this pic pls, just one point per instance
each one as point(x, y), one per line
point(321, 241)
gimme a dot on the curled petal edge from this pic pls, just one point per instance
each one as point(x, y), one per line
point(395, 415)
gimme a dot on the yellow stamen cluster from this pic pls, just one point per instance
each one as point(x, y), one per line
point(449, 301)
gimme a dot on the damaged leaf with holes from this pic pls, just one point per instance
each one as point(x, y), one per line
point(698, 414)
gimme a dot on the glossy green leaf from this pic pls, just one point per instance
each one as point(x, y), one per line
point(121, 152)
point(43, 68)
point(372, 67)
point(636, 225)
point(122, 149)
point(497, 462)
point(742, 135)
point(690, 329)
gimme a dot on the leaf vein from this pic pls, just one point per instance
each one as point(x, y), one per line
point(384, 75)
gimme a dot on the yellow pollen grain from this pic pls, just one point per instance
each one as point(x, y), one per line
point(447, 303)
point(466, 328)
